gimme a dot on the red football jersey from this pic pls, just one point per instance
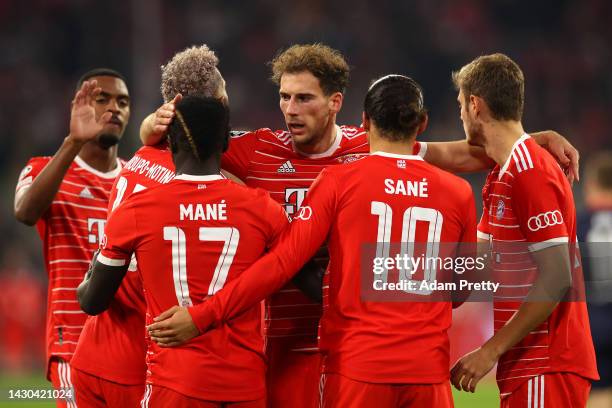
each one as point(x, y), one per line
point(190, 237)
point(529, 200)
point(267, 159)
point(112, 344)
point(373, 200)
point(70, 230)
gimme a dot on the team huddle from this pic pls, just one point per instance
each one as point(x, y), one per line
point(227, 266)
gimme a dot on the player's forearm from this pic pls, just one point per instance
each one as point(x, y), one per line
point(255, 284)
point(553, 281)
point(148, 137)
point(96, 292)
point(529, 316)
point(31, 203)
point(457, 157)
point(310, 280)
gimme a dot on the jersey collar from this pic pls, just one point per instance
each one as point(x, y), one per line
point(397, 156)
point(194, 177)
point(508, 160)
point(108, 175)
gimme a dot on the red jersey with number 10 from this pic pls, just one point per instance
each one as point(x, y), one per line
point(267, 159)
point(112, 345)
point(190, 237)
point(372, 202)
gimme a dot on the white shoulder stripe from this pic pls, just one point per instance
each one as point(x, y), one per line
point(527, 154)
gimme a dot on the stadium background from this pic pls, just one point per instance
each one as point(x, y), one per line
point(562, 46)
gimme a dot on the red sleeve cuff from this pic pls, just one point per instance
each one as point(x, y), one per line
point(202, 316)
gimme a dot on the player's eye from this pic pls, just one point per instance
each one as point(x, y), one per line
point(285, 97)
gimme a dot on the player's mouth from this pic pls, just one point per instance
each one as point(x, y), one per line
point(115, 121)
point(296, 128)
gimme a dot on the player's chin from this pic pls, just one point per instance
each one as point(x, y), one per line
point(108, 139)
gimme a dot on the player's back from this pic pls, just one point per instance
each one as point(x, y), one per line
point(380, 200)
point(193, 235)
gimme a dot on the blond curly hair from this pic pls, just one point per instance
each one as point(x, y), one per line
point(191, 72)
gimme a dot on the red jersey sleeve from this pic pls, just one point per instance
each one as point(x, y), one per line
point(469, 228)
point(272, 271)
point(238, 156)
point(536, 200)
point(31, 170)
point(278, 220)
point(484, 231)
point(119, 238)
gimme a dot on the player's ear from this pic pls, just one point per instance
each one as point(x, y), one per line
point(423, 124)
point(335, 102)
point(475, 105)
point(365, 121)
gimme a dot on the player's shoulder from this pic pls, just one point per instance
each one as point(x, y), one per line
point(447, 180)
point(529, 161)
point(353, 138)
point(38, 161)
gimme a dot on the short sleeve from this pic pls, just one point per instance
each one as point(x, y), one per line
point(238, 155)
point(119, 239)
point(29, 173)
point(538, 202)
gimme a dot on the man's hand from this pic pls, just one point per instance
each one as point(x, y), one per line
point(164, 116)
point(83, 124)
point(470, 368)
point(173, 327)
point(567, 156)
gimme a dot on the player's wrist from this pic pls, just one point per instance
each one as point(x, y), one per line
point(201, 316)
point(492, 349)
point(73, 143)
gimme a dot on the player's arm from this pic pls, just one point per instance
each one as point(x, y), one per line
point(309, 280)
point(155, 126)
point(263, 278)
point(466, 248)
point(31, 202)
point(99, 286)
point(554, 279)
point(460, 157)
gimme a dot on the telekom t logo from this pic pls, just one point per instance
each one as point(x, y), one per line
point(94, 224)
point(293, 199)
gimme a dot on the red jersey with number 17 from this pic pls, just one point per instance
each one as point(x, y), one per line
point(528, 206)
point(375, 201)
point(267, 159)
point(190, 237)
point(112, 345)
point(70, 230)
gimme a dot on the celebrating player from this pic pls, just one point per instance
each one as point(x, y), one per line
point(312, 80)
point(191, 236)
point(374, 350)
point(66, 196)
point(543, 348)
point(109, 366)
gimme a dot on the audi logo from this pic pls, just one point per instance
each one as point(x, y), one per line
point(545, 220)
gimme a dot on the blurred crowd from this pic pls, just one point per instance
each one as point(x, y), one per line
point(562, 46)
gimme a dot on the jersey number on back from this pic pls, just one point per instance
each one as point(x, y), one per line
point(228, 235)
point(413, 214)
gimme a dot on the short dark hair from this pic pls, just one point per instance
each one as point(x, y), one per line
point(201, 126)
point(395, 104)
point(496, 79)
point(99, 72)
point(325, 63)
